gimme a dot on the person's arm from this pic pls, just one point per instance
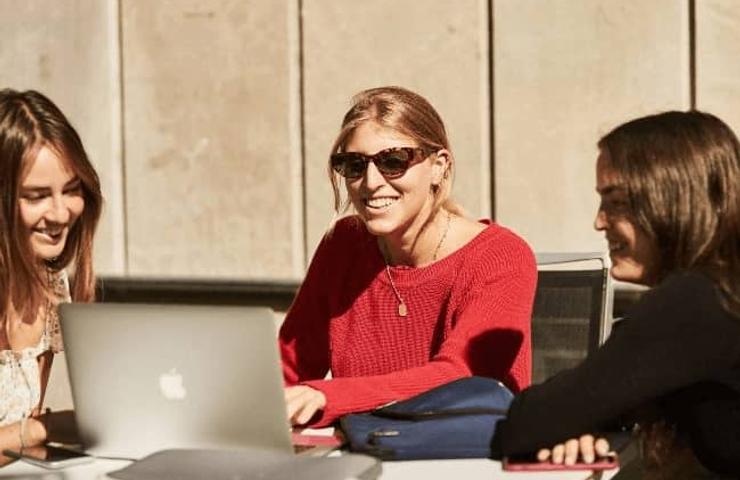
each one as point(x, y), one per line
point(675, 337)
point(304, 334)
point(46, 360)
point(34, 430)
point(53, 427)
point(34, 433)
point(491, 337)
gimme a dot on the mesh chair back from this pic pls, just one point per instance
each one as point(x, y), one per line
point(572, 312)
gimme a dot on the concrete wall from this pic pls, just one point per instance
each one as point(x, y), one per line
point(718, 59)
point(212, 172)
point(69, 50)
point(210, 120)
point(565, 73)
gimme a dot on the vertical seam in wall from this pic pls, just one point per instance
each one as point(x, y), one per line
point(302, 121)
point(126, 266)
point(491, 105)
point(692, 54)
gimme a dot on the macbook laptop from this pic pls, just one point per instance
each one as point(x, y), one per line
point(151, 377)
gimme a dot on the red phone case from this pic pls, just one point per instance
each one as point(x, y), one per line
point(608, 463)
point(300, 439)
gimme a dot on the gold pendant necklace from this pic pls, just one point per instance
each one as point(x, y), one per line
point(402, 308)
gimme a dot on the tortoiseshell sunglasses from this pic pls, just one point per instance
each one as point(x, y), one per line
point(391, 162)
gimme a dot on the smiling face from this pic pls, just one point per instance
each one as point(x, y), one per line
point(50, 202)
point(632, 252)
point(397, 206)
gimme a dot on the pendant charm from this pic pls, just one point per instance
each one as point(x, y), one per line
point(402, 310)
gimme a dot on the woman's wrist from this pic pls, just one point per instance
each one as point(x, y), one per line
point(34, 432)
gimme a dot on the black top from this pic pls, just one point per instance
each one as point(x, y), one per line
point(679, 351)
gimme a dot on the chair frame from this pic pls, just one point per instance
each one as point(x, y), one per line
point(570, 270)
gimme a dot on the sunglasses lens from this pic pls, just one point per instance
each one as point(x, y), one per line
point(394, 162)
point(391, 163)
point(348, 165)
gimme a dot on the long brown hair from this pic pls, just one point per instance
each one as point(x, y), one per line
point(407, 113)
point(681, 171)
point(28, 122)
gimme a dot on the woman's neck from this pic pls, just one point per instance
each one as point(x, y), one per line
point(420, 246)
point(26, 309)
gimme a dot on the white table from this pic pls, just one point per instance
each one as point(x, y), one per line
point(88, 471)
point(471, 469)
point(475, 469)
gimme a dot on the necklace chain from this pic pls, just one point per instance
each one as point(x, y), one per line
point(442, 238)
point(402, 308)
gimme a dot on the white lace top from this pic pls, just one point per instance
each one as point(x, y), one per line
point(20, 380)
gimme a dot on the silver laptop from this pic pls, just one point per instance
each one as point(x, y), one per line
point(150, 377)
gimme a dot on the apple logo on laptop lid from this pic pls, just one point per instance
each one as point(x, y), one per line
point(171, 385)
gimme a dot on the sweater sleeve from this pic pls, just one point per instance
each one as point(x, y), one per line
point(676, 336)
point(303, 338)
point(491, 338)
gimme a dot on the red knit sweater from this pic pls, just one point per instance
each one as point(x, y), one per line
point(468, 313)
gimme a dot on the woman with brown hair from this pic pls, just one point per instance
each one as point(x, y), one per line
point(670, 210)
point(407, 293)
point(50, 203)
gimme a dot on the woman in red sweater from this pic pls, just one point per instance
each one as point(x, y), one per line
point(406, 293)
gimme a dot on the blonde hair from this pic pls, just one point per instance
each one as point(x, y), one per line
point(407, 113)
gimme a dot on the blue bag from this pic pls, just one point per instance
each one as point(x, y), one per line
point(454, 420)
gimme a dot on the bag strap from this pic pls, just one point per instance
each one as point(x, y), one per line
point(451, 412)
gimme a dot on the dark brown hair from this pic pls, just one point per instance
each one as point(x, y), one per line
point(407, 113)
point(681, 171)
point(30, 121)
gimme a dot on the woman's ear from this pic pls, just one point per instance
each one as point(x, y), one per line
point(440, 166)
